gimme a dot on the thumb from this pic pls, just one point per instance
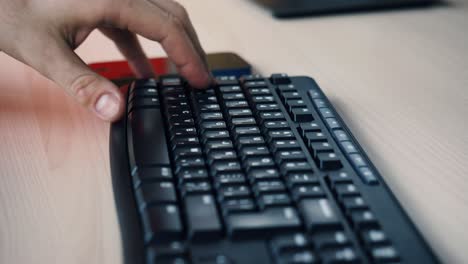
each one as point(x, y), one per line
point(59, 63)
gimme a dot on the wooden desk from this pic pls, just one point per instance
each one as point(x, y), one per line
point(399, 79)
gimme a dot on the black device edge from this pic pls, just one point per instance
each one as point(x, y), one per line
point(131, 232)
point(130, 226)
point(425, 246)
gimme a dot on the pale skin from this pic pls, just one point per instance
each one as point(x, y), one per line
point(44, 33)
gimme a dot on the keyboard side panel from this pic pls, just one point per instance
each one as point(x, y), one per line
point(130, 227)
point(394, 221)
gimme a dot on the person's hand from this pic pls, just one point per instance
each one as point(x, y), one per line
point(44, 33)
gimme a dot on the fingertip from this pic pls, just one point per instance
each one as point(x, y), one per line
point(109, 106)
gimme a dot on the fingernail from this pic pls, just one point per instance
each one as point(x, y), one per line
point(107, 106)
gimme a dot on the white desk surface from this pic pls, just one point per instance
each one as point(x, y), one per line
point(399, 79)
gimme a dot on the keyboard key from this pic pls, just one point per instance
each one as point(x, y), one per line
point(267, 107)
point(183, 132)
point(221, 155)
point(170, 81)
point(299, 257)
point(225, 167)
point(341, 135)
point(307, 191)
point(184, 152)
point(291, 104)
point(158, 173)
point(276, 125)
point(157, 193)
point(225, 144)
point(295, 166)
point(300, 115)
point(149, 145)
point(246, 131)
point(318, 214)
point(279, 145)
point(280, 78)
point(281, 135)
point(373, 237)
point(190, 174)
point(162, 252)
point(340, 177)
point(230, 89)
point(263, 174)
point(142, 83)
point(258, 91)
point(238, 206)
point(212, 125)
point(216, 116)
point(328, 161)
point(385, 254)
point(252, 77)
point(236, 104)
point(247, 152)
point(278, 199)
point(233, 96)
point(286, 156)
point(301, 179)
point(234, 192)
point(227, 81)
point(264, 223)
point(354, 203)
point(262, 99)
point(258, 162)
point(349, 147)
point(363, 219)
point(340, 255)
point(271, 116)
point(240, 112)
point(332, 123)
point(215, 135)
point(308, 127)
point(190, 188)
point(230, 178)
point(287, 88)
point(329, 239)
point(162, 223)
point(357, 160)
point(312, 137)
point(319, 103)
point(203, 222)
point(185, 142)
point(326, 113)
point(320, 147)
point(290, 95)
point(255, 84)
point(368, 176)
point(265, 187)
point(248, 141)
point(346, 189)
point(243, 121)
point(289, 243)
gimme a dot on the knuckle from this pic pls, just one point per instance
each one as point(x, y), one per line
point(175, 23)
point(81, 88)
point(181, 12)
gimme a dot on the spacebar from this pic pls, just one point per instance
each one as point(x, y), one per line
point(273, 220)
point(147, 137)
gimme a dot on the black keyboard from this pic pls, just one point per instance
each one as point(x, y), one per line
point(253, 170)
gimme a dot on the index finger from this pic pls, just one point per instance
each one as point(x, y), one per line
point(150, 21)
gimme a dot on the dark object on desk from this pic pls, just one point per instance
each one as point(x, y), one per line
point(254, 170)
point(220, 63)
point(292, 8)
